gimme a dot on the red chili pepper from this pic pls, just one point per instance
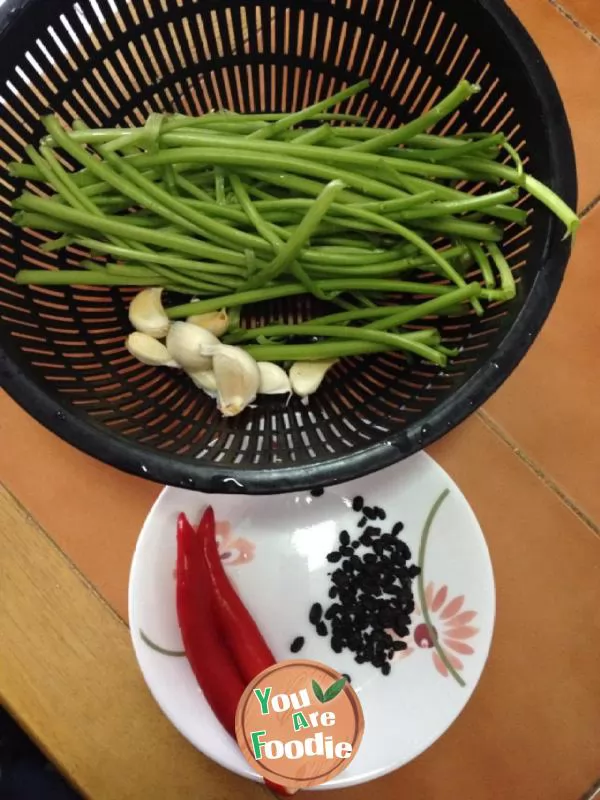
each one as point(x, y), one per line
point(212, 665)
point(244, 640)
point(204, 614)
point(280, 791)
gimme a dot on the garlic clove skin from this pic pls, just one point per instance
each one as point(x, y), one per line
point(206, 381)
point(273, 379)
point(217, 322)
point(191, 346)
point(147, 315)
point(238, 379)
point(307, 376)
point(149, 350)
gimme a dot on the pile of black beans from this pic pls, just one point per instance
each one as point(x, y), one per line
point(371, 589)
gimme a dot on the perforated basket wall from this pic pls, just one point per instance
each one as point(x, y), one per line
point(112, 63)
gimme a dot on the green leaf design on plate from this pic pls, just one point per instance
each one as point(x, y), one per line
point(318, 692)
point(153, 646)
point(334, 690)
point(421, 587)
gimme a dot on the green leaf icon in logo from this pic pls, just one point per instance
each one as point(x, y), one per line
point(334, 690)
point(318, 692)
point(329, 694)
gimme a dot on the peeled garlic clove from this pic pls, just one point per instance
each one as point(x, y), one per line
point(148, 350)
point(217, 322)
point(206, 381)
point(307, 376)
point(147, 315)
point(191, 346)
point(273, 379)
point(238, 379)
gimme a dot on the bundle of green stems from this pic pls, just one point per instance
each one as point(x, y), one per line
point(238, 209)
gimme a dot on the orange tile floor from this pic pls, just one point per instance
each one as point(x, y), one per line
point(546, 410)
point(528, 462)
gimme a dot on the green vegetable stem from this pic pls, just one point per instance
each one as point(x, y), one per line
point(377, 229)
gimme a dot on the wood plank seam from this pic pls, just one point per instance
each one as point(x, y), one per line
point(590, 207)
point(493, 426)
point(574, 21)
point(69, 676)
point(28, 516)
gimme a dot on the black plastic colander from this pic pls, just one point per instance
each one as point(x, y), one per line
point(111, 63)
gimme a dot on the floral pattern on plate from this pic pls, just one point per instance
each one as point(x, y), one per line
point(445, 625)
point(450, 628)
point(233, 549)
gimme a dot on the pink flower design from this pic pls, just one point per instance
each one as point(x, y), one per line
point(451, 629)
point(233, 550)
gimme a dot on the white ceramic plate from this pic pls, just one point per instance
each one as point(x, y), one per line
point(275, 550)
